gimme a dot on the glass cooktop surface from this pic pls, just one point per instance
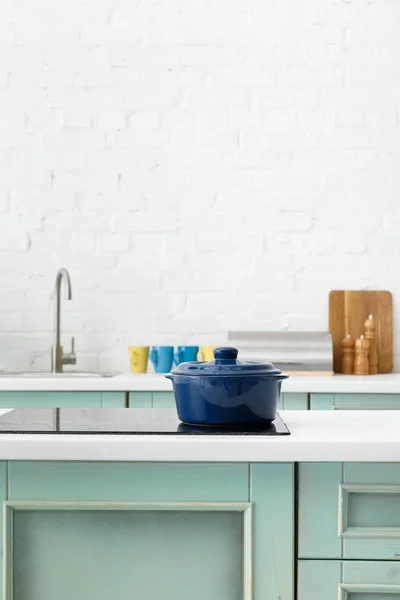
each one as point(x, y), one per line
point(119, 421)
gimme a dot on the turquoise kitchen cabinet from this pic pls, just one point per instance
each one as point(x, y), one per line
point(63, 399)
point(353, 580)
point(293, 401)
point(134, 530)
point(163, 400)
point(140, 399)
point(151, 400)
point(289, 401)
point(349, 511)
point(355, 401)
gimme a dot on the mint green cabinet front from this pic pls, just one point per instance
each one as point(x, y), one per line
point(151, 400)
point(163, 400)
point(349, 511)
point(353, 580)
point(95, 531)
point(355, 401)
point(288, 401)
point(140, 400)
point(62, 399)
point(293, 401)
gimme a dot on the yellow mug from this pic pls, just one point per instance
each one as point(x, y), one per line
point(206, 353)
point(138, 356)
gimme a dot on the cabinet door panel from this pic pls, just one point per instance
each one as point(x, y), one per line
point(53, 399)
point(335, 580)
point(318, 579)
point(140, 482)
point(3, 497)
point(292, 401)
point(318, 510)
point(124, 530)
point(163, 400)
point(355, 401)
point(272, 491)
point(113, 400)
point(349, 511)
point(140, 400)
point(87, 554)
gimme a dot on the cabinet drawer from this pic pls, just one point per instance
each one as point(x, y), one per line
point(336, 580)
point(62, 399)
point(151, 400)
point(355, 401)
point(163, 400)
point(349, 511)
point(293, 401)
point(140, 400)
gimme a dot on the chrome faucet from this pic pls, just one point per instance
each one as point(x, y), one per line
point(58, 358)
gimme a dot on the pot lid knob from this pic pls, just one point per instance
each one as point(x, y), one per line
point(225, 353)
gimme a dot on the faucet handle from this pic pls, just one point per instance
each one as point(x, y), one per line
point(71, 357)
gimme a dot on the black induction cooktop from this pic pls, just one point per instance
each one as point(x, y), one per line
point(118, 421)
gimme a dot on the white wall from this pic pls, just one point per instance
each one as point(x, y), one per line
point(197, 166)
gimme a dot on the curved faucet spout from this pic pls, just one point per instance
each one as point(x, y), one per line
point(63, 275)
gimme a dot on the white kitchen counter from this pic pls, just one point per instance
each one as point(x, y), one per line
point(150, 382)
point(316, 436)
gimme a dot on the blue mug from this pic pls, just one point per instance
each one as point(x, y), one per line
point(186, 354)
point(162, 358)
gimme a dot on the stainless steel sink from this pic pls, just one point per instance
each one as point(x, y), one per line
point(67, 374)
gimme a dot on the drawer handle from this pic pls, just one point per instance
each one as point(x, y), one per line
point(369, 588)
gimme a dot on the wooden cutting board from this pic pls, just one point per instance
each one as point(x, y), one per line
point(348, 310)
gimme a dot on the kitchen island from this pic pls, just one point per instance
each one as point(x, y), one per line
point(220, 517)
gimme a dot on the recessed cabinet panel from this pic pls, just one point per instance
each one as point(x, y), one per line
point(349, 511)
point(353, 580)
point(377, 510)
point(103, 554)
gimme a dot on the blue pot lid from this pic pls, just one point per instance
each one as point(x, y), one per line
point(226, 364)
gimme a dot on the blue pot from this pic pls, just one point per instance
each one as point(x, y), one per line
point(226, 391)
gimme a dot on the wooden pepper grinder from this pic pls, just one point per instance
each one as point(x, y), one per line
point(347, 355)
point(369, 326)
point(361, 364)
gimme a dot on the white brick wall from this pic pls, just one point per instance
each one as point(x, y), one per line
point(197, 166)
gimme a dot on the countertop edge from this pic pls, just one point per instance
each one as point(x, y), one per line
point(316, 436)
point(126, 382)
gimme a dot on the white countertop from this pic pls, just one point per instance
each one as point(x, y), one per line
point(320, 436)
point(150, 382)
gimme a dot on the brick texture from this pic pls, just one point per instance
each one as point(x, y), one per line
point(197, 166)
